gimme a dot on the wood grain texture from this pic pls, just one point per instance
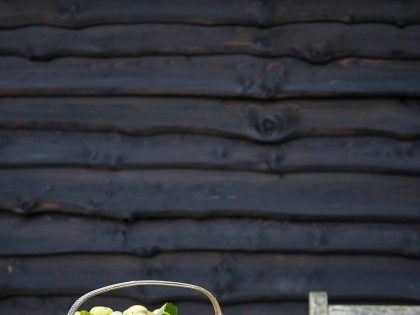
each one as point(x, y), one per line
point(112, 151)
point(259, 121)
point(234, 278)
point(262, 150)
point(179, 193)
point(373, 310)
point(40, 305)
point(78, 13)
point(314, 42)
point(210, 76)
point(32, 236)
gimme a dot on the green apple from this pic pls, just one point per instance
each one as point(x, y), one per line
point(101, 310)
point(136, 310)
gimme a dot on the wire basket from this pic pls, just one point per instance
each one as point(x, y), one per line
point(76, 305)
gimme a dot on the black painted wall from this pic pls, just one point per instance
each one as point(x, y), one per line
point(261, 149)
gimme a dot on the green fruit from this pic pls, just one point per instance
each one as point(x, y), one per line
point(116, 313)
point(101, 310)
point(136, 310)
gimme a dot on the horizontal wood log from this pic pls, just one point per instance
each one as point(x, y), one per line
point(210, 76)
point(105, 150)
point(234, 278)
point(32, 236)
point(81, 13)
point(174, 193)
point(257, 121)
point(314, 42)
point(39, 305)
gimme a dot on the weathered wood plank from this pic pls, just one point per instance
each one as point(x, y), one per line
point(373, 309)
point(110, 150)
point(175, 193)
point(318, 305)
point(314, 42)
point(32, 236)
point(211, 76)
point(78, 13)
point(234, 278)
point(38, 305)
point(258, 121)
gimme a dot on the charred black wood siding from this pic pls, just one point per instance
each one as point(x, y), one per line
point(261, 149)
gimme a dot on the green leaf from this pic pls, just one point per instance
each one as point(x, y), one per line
point(170, 309)
point(85, 313)
point(166, 309)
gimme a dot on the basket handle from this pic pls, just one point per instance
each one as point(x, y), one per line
point(112, 287)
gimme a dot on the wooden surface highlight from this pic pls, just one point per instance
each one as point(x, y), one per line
point(318, 305)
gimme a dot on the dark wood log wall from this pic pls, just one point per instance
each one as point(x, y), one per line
point(262, 149)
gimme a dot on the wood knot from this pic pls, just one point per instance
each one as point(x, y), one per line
point(27, 205)
point(275, 74)
point(68, 11)
point(317, 55)
point(275, 161)
point(262, 41)
point(267, 126)
point(5, 141)
point(276, 124)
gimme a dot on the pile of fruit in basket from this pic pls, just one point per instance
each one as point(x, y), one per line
point(166, 309)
